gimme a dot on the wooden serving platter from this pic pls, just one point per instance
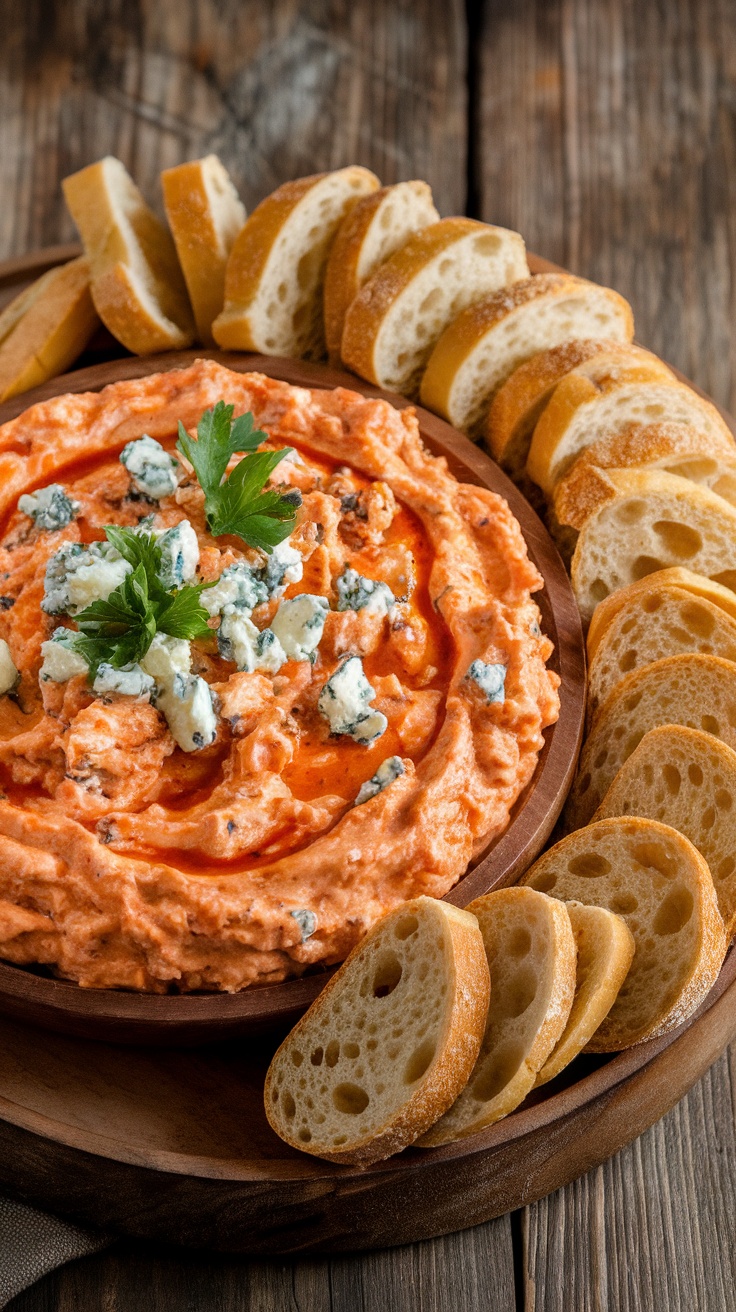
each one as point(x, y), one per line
point(141, 1018)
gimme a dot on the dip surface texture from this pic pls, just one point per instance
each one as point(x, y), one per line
point(126, 861)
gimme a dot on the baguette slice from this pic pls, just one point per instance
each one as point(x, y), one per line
point(531, 955)
point(660, 884)
point(44, 329)
point(399, 313)
point(709, 461)
point(485, 343)
point(276, 270)
point(579, 413)
point(205, 215)
point(697, 691)
point(645, 521)
point(390, 1041)
point(655, 623)
point(137, 284)
point(695, 584)
point(376, 227)
point(687, 779)
point(517, 405)
point(605, 948)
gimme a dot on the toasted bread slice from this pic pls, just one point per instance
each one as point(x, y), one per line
point(390, 1041)
point(275, 274)
point(580, 413)
point(44, 329)
point(605, 948)
point(653, 877)
point(393, 323)
point(531, 953)
point(655, 623)
point(695, 584)
point(709, 461)
point(518, 404)
point(376, 227)
point(485, 343)
point(687, 779)
point(137, 285)
point(645, 521)
point(697, 691)
point(205, 215)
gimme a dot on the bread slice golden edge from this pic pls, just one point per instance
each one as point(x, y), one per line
point(468, 991)
point(50, 325)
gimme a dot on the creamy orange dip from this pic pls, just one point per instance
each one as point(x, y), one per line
point(127, 860)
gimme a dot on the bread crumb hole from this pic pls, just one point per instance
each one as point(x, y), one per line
point(624, 904)
point(710, 724)
point(674, 912)
point(598, 590)
point(519, 993)
point(520, 942)
point(419, 1062)
point(288, 1105)
point(332, 1052)
point(297, 1057)
point(628, 660)
point(387, 975)
point(351, 1050)
point(590, 865)
point(405, 927)
point(544, 881)
point(316, 1057)
point(680, 540)
point(498, 1070)
point(695, 775)
point(709, 818)
point(350, 1099)
point(650, 606)
point(672, 778)
point(724, 800)
point(630, 512)
point(698, 619)
point(644, 565)
point(726, 867)
point(653, 857)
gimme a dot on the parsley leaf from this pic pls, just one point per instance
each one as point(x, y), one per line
point(238, 504)
point(120, 629)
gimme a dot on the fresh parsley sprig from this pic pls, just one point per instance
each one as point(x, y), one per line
point(238, 504)
point(120, 630)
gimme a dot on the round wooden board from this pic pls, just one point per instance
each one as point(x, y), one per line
point(141, 1018)
point(173, 1144)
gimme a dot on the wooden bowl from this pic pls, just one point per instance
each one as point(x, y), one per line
point(126, 1017)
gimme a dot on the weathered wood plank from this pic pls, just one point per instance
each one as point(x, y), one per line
point(606, 135)
point(276, 90)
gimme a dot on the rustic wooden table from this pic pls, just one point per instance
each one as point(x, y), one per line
point(605, 131)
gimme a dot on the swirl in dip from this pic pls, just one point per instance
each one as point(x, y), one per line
point(323, 762)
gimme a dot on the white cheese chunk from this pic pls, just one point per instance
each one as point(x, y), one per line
point(344, 702)
point(237, 586)
point(490, 679)
point(130, 681)
point(50, 507)
point(355, 592)
point(166, 657)
point(190, 714)
point(8, 672)
point(392, 768)
point(239, 640)
point(299, 624)
point(77, 575)
point(282, 567)
point(179, 555)
point(153, 472)
point(60, 662)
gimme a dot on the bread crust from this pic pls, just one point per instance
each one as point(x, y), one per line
point(368, 310)
point(517, 405)
point(50, 325)
point(474, 325)
point(203, 238)
point(464, 1025)
point(552, 873)
point(343, 278)
point(696, 584)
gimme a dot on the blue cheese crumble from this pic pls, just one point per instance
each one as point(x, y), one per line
point(153, 472)
point(490, 679)
point(50, 507)
point(344, 702)
point(8, 673)
point(237, 587)
point(189, 710)
point(392, 768)
point(307, 922)
point(282, 567)
point(299, 624)
point(77, 575)
point(60, 662)
point(167, 657)
point(179, 555)
point(354, 592)
point(129, 681)
point(239, 640)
